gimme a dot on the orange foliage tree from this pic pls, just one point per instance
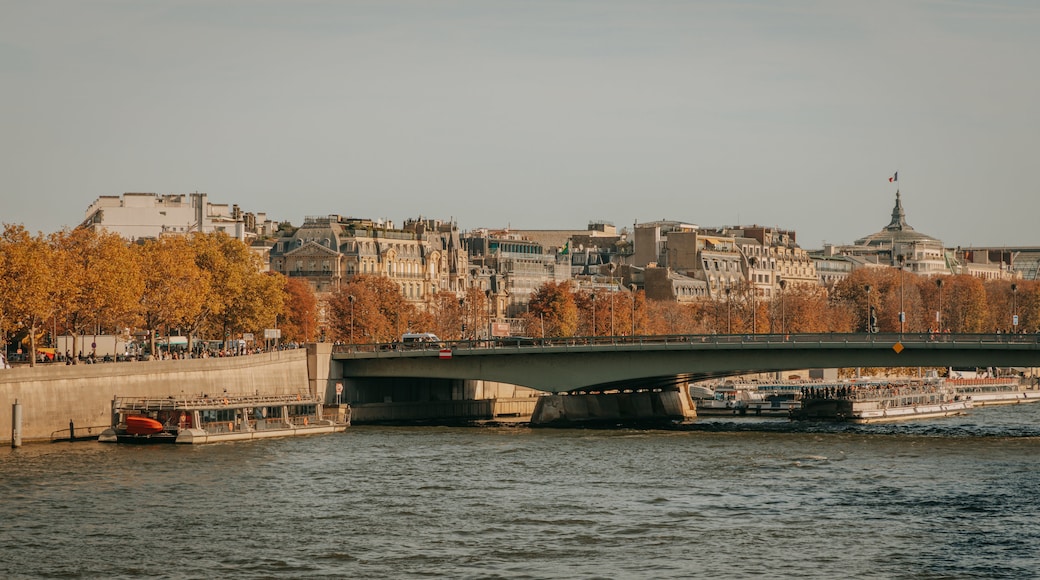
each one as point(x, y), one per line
point(298, 321)
point(380, 311)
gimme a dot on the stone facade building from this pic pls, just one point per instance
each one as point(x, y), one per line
point(422, 258)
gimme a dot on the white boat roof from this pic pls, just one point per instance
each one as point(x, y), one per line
point(202, 401)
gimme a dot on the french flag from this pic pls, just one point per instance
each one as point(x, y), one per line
point(895, 177)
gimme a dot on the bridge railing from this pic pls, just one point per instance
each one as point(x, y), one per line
point(626, 342)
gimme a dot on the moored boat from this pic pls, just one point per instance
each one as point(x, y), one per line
point(880, 402)
point(995, 391)
point(769, 398)
point(205, 419)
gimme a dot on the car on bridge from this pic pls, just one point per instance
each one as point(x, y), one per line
point(421, 340)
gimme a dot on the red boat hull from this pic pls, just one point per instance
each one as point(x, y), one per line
point(141, 425)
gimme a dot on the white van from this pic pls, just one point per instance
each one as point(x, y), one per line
point(420, 340)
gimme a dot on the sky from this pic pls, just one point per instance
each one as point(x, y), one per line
point(533, 114)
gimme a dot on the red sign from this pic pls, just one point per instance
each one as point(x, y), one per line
point(445, 353)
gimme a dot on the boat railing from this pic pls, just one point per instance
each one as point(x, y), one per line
point(875, 392)
point(204, 401)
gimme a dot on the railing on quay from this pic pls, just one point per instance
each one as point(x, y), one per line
point(789, 340)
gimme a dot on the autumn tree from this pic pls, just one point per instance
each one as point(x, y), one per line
point(299, 318)
point(240, 297)
point(445, 310)
point(100, 283)
point(964, 304)
point(371, 308)
point(174, 286)
point(552, 311)
point(29, 268)
point(1028, 305)
point(475, 312)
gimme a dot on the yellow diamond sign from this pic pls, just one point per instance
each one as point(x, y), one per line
point(898, 347)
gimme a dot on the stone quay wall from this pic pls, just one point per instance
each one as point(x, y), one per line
point(51, 396)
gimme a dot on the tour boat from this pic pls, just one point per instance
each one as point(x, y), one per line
point(880, 402)
point(771, 398)
point(208, 419)
point(995, 391)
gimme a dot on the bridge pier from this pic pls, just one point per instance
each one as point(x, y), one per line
point(636, 408)
point(413, 401)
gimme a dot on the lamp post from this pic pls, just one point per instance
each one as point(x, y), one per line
point(729, 311)
point(938, 313)
point(902, 313)
point(632, 287)
point(487, 293)
point(783, 307)
point(751, 278)
point(868, 323)
point(1014, 308)
point(610, 267)
point(593, 312)
point(351, 299)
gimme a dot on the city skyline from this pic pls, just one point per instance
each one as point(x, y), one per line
point(534, 115)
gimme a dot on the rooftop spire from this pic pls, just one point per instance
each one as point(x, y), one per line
point(898, 222)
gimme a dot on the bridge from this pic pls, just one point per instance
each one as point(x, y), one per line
point(597, 364)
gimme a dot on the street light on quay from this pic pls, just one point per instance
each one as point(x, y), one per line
point(1014, 308)
point(754, 311)
point(902, 312)
point(729, 312)
point(783, 306)
point(610, 268)
point(632, 287)
point(488, 294)
point(593, 312)
point(938, 313)
point(866, 317)
point(351, 299)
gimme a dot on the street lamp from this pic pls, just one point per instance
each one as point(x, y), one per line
point(869, 323)
point(488, 294)
point(938, 313)
point(754, 311)
point(350, 298)
point(783, 307)
point(593, 312)
point(1014, 308)
point(632, 287)
point(902, 313)
point(610, 268)
point(729, 311)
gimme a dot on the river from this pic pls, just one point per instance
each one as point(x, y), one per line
point(726, 498)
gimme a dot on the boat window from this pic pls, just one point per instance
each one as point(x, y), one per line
point(218, 415)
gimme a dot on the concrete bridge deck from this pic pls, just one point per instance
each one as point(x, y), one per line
point(605, 363)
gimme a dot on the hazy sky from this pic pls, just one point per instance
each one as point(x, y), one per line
point(534, 114)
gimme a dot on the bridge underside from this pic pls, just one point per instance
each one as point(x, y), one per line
point(606, 369)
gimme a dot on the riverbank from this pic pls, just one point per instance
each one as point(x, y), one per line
point(60, 400)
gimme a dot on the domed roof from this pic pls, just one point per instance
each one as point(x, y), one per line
point(897, 231)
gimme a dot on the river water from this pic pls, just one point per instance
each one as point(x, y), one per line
point(944, 498)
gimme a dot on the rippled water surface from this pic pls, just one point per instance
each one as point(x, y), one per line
point(949, 498)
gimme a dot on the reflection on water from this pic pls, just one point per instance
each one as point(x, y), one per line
point(726, 498)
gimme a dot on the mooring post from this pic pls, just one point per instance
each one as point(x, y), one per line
point(16, 424)
point(72, 431)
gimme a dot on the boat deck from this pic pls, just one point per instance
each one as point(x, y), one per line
point(209, 402)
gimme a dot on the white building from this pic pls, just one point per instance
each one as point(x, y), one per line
point(149, 215)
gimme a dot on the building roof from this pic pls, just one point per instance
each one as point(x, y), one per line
point(897, 230)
